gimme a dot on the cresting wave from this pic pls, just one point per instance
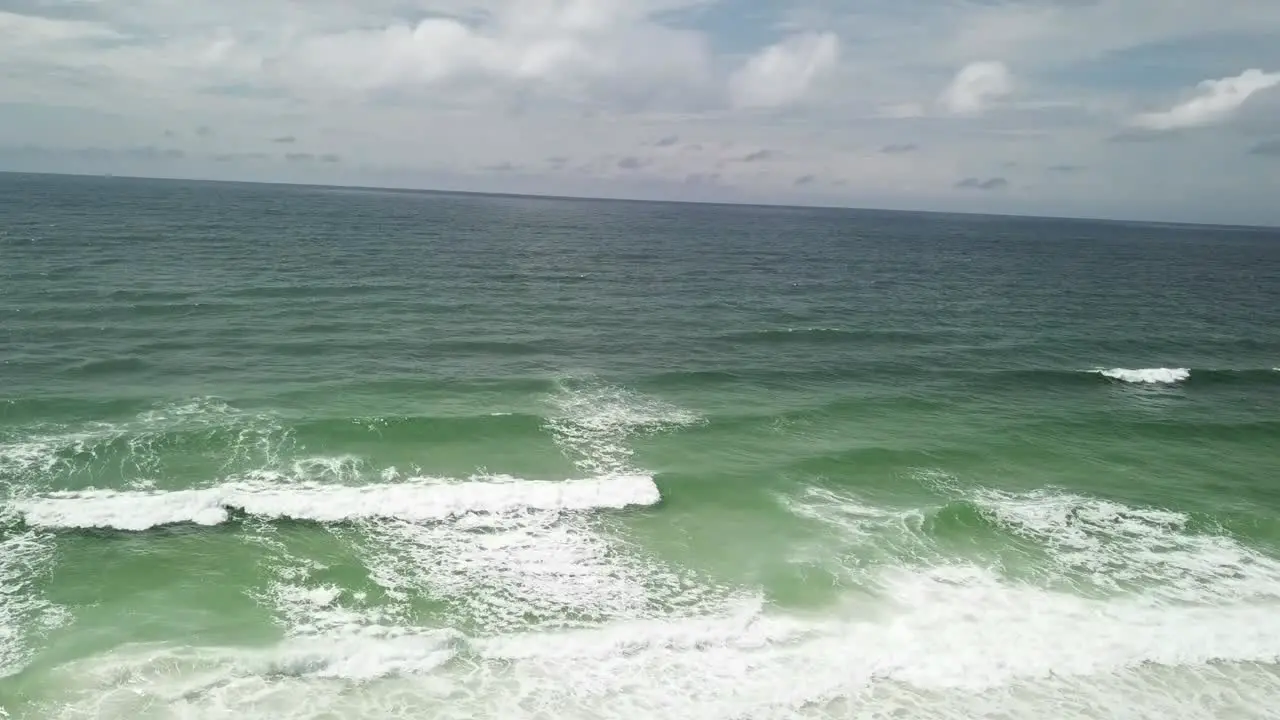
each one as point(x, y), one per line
point(1150, 376)
point(418, 500)
point(539, 611)
point(517, 564)
point(1185, 619)
point(1195, 376)
point(905, 371)
point(1092, 546)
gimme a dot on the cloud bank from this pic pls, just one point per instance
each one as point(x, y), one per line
point(801, 101)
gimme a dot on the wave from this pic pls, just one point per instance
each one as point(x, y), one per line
point(418, 500)
point(921, 370)
point(1150, 376)
point(25, 559)
point(952, 642)
point(1176, 614)
point(1057, 538)
point(1189, 376)
point(227, 437)
point(501, 572)
point(592, 422)
point(227, 433)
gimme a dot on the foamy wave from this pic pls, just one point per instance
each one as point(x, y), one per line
point(500, 573)
point(1150, 376)
point(1119, 548)
point(951, 642)
point(136, 446)
point(593, 423)
point(946, 641)
point(492, 572)
point(1093, 545)
point(25, 559)
point(505, 574)
point(417, 501)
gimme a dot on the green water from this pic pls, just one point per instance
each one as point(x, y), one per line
point(281, 452)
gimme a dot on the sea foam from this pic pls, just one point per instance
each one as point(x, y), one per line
point(418, 500)
point(25, 558)
point(1192, 631)
point(1150, 376)
point(949, 642)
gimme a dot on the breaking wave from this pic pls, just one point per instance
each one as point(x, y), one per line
point(1150, 376)
point(418, 500)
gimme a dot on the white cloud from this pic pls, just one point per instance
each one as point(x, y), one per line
point(976, 85)
point(1216, 101)
point(568, 46)
point(783, 73)
point(431, 92)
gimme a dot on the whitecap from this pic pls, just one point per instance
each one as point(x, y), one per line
point(1150, 376)
point(418, 500)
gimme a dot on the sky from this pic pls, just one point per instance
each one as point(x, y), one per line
point(1137, 109)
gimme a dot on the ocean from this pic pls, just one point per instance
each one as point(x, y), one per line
point(295, 452)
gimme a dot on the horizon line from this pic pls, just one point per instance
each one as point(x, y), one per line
point(607, 198)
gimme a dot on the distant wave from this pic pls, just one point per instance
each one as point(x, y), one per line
point(1154, 377)
point(994, 376)
point(823, 334)
point(1150, 376)
point(417, 501)
point(1181, 375)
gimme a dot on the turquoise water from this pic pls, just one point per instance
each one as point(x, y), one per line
point(284, 452)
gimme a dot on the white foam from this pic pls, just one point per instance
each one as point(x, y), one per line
point(37, 455)
point(951, 631)
point(27, 457)
point(501, 573)
point(419, 500)
point(1091, 544)
point(1199, 636)
point(492, 555)
point(505, 571)
point(375, 652)
point(1150, 551)
point(1150, 376)
point(24, 611)
point(506, 574)
point(593, 423)
point(947, 642)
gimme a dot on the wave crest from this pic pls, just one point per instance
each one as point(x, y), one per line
point(419, 500)
point(1149, 376)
